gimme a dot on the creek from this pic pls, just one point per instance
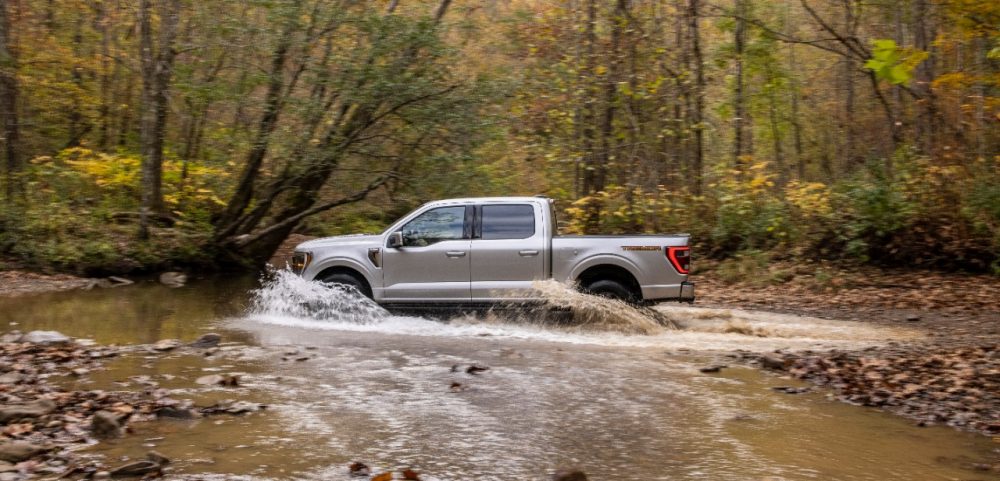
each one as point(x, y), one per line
point(610, 394)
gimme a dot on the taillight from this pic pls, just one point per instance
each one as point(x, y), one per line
point(680, 258)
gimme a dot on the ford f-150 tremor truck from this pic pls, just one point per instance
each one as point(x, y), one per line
point(485, 251)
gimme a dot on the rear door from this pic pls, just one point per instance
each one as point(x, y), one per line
point(508, 245)
point(433, 265)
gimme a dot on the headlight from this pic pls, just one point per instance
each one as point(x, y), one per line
point(299, 261)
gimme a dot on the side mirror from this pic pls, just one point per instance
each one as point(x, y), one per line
point(396, 239)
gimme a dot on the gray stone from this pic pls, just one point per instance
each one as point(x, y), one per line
point(12, 336)
point(32, 409)
point(210, 380)
point(175, 412)
point(207, 340)
point(17, 451)
point(157, 458)
point(569, 475)
point(45, 337)
point(772, 362)
point(105, 425)
point(173, 279)
point(164, 345)
point(137, 468)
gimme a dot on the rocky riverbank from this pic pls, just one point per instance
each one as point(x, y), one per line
point(44, 425)
point(958, 386)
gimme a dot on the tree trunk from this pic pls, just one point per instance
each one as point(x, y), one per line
point(800, 160)
point(104, 112)
point(697, 160)
point(8, 103)
point(739, 102)
point(157, 69)
point(258, 151)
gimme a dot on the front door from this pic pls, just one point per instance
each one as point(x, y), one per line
point(433, 264)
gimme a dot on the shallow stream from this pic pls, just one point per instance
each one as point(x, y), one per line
point(348, 382)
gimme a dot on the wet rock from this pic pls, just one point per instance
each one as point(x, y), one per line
point(772, 362)
point(12, 377)
point(45, 337)
point(165, 345)
point(33, 409)
point(105, 425)
point(210, 380)
point(12, 336)
point(235, 408)
point(176, 412)
point(711, 369)
point(207, 340)
point(790, 390)
point(157, 458)
point(457, 387)
point(912, 318)
point(359, 469)
point(475, 369)
point(569, 475)
point(173, 279)
point(17, 451)
point(231, 380)
point(411, 474)
point(80, 371)
point(137, 468)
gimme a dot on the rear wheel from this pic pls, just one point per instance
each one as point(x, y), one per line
point(349, 280)
point(610, 289)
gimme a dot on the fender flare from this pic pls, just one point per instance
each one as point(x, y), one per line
point(606, 259)
point(350, 264)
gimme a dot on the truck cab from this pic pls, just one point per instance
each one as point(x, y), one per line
point(476, 251)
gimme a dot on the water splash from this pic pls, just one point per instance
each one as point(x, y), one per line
point(594, 313)
point(285, 294)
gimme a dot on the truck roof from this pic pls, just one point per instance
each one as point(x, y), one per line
point(471, 200)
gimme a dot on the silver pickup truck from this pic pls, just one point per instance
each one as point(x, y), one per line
point(484, 251)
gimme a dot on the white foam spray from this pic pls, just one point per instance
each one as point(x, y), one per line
point(283, 293)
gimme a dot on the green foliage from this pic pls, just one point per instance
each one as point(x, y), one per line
point(893, 63)
point(92, 230)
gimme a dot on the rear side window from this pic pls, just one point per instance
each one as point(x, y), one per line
point(508, 221)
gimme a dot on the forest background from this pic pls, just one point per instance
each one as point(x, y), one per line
point(141, 135)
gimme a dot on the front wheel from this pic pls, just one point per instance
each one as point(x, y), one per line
point(349, 281)
point(610, 289)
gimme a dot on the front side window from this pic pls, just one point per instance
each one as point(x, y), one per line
point(435, 225)
point(508, 221)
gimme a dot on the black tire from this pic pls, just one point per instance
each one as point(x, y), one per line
point(346, 279)
point(610, 289)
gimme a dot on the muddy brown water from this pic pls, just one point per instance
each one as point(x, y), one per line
point(376, 388)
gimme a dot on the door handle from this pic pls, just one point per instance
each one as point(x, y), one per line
point(455, 254)
point(528, 253)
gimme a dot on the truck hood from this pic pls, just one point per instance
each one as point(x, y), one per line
point(342, 240)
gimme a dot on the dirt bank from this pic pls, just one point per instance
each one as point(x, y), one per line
point(17, 282)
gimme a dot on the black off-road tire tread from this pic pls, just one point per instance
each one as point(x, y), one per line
point(611, 289)
point(348, 280)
